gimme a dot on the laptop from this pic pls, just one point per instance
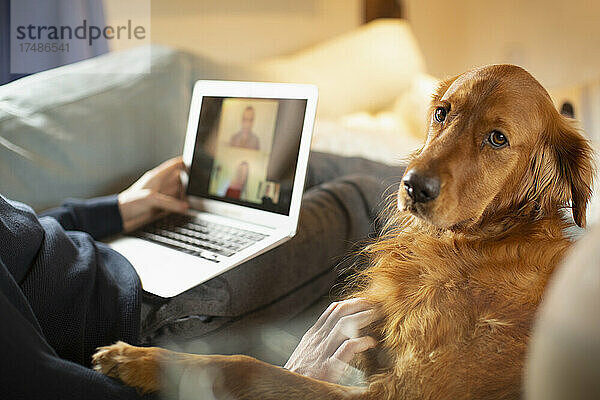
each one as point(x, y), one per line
point(246, 149)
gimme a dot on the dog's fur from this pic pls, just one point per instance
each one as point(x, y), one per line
point(457, 280)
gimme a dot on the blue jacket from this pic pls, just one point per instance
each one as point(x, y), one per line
point(62, 294)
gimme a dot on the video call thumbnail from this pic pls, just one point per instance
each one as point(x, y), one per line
point(243, 150)
point(246, 151)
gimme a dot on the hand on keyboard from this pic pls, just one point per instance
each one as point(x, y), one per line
point(157, 191)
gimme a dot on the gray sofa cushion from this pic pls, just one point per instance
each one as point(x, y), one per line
point(87, 129)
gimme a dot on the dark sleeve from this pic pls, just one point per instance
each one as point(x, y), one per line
point(100, 217)
point(30, 369)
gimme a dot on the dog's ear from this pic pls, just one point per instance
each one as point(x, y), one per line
point(438, 94)
point(442, 88)
point(569, 166)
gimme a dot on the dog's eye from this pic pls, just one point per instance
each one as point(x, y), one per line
point(439, 114)
point(497, 139)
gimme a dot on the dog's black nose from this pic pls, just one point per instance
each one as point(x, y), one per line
point(421, 188)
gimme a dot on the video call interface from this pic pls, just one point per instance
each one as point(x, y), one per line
point(246, 151)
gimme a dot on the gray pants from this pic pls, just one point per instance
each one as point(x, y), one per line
point(343, 196)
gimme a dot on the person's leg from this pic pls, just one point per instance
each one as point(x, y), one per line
point(325, 167)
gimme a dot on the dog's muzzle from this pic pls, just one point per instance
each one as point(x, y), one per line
point(421, 188)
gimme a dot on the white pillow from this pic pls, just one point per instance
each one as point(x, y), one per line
point(413, 104)
point(363, 70)
point(382, 137)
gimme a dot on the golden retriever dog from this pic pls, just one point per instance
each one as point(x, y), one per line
point(456, 277)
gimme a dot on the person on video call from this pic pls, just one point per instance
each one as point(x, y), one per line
point(245, 137)
point(63, 293)
point(238, 183)
point(267, 199)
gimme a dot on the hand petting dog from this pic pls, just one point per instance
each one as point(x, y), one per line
point(332, 342)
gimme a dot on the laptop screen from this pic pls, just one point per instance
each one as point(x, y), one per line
point(246, 151)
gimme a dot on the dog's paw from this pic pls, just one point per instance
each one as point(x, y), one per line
point(106, 359)
point(135, 366)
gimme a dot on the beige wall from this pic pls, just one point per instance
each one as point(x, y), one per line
point(557, 40)
point(241, 30)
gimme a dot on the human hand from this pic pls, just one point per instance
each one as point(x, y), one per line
point(326, 348)
point(157, 191)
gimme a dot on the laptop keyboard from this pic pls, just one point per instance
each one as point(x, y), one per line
point(198, 237)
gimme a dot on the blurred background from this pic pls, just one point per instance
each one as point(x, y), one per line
point(556, 40)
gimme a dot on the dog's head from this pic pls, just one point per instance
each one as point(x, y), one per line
point(495, 144)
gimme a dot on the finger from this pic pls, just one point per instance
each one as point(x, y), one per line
point(167, 203)
point(182, 168)
point(170, 165)
point(352, 347)
point(177, 176)
point(175, 186)
point(346, 307)
point(186, 168)
point(325, 315)
point(182, 165)
point(347, 327)
point(350, 325)
point(180, 191)
point(171, 184)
